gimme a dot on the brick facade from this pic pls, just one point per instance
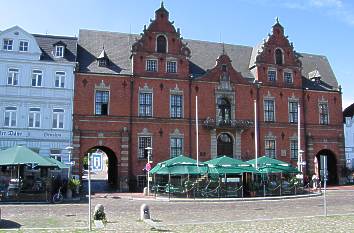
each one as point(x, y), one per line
point(118, 132)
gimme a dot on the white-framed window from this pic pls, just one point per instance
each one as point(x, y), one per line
point(60, 79)
point(293, 149)
point(59, 51)
point(270, 150)
point(23, 46)
point(58, 118)
point(10, 117)
point(176, 106)
point(55, 154)
point(12, 76)
point(288, 77)
point(151, 65)
point(171, 67)
point(323, 109)
point(144, 141)
point(101, 102)
point(293, 111)
point(8, 44)
point(272, 75)
point(269, 110)
point(34, 118)
point(176, 146)
point(145, 104)
point(37, 76)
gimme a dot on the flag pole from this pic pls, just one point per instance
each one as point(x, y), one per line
point(255, 133)
point(196, 125)
point(299, 166)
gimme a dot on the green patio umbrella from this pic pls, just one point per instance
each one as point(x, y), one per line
point(58, 163)
point(20, 155)
point(228, 165)
point(270, 165)
point(266, 161)
point(180, 165)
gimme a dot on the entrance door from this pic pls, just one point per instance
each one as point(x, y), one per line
point(225, 145)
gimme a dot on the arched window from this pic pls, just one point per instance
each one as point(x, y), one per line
point(224, 111)
point(161, 44)
point(278, 57)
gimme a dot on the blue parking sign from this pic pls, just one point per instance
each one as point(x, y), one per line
point(97, 162)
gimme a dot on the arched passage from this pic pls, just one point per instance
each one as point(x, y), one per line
point(331, 166)
point(225, 145)
point(107, 179)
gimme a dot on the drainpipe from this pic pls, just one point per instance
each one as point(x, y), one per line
point(130, 128)
point(190, 115)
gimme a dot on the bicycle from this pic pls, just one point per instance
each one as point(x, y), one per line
point(58, 197)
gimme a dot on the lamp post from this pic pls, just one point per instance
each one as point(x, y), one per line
point(69, 148)
point(149, 149)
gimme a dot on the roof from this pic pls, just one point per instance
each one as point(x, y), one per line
point(47, 42)
point(349, 111)
point(203, 56)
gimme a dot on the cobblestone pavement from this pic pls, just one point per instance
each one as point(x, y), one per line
point(122, 211)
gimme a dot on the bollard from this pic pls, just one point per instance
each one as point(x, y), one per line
point(145, 191)
point(144, 212)
point(99, 216)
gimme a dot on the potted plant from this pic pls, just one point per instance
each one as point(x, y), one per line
point(73, 185)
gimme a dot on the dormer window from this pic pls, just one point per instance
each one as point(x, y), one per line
point(23, 46)
point(8, 44)
point(102, 59)
point(102, 62)
point(59, 51)
point(161, 44)
point(278, 57)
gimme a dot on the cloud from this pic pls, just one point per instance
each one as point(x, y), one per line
point(326, 3)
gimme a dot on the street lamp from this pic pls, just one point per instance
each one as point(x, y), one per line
point(147, 167)
point(69, 148)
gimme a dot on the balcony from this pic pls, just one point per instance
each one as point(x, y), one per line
point(210, 123)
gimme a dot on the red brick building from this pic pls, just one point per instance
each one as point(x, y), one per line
point(134, 91)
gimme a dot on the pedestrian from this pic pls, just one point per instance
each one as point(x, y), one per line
point(314, 181)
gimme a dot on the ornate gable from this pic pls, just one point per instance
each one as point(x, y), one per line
point(224, 73)
point(161, 28)
point(277, 49)
point(160, 51)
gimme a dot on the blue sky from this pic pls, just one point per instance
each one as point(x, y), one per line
point(323, 27)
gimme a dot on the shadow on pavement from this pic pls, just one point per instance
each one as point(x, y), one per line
point(8, 224)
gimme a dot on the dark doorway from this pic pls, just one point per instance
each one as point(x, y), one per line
point(105, 180)
point(225, 145)
point(331, 166)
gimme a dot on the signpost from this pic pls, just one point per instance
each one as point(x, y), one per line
point(148, 165)
point(97, 165)
point(324, 159)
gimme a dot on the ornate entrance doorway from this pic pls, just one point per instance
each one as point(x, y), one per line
point(225, 145)
point(107, 179)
